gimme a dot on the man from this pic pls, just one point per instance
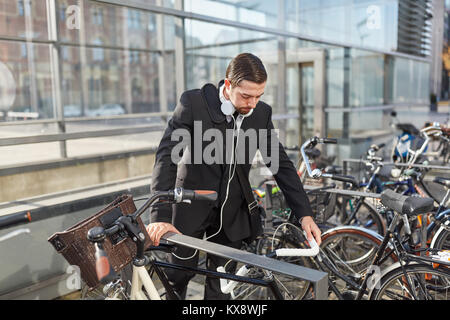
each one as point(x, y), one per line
point(226, 221)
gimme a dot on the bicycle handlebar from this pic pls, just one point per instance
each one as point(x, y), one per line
point(433, 129)
point(294, 148)
point(97, 235)
point(290, 252)
point(14, 220)
point(311, 143)
point(328, 140)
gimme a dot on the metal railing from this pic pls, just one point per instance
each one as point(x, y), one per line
point(63, 136)
point(345, 163)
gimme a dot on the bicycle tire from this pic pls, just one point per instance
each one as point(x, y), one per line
point(99, 292)
point(428, 283)
point(350, 251)
point(94, 294)
point(290, 288)
point(441, 239)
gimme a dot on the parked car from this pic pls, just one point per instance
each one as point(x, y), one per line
point(109, 109)
point(72, 110)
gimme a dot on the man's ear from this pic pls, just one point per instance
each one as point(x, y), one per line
point(227, 87)
point(227, 84)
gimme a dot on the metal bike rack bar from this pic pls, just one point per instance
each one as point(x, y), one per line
point(346, 192)
point(318, 278)
point(345, 161)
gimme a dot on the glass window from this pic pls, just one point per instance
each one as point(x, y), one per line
point(371, 23)
point(410, 81)
point(262, 13)
point(366, 78)
point(127, 76)
point(335, 77)
point(208, 55)
point(26, 70)
point(26, 19)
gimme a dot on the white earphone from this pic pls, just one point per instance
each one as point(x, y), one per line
point(227, 108)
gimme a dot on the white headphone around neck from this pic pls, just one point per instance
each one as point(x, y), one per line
point(228, 109)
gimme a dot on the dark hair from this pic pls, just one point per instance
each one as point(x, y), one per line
point(246, 66)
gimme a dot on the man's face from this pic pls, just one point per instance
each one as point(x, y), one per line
point(245, 96)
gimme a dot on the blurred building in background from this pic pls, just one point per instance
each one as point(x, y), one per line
point(87, 88)
point(336, 68)
point(443, 94)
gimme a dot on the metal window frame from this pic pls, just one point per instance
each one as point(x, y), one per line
point(63, 137)
point(178, 12)
point(195, 16)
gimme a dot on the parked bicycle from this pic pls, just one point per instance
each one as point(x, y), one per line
point(289, 288)
point(356, 258)
point(146, 266)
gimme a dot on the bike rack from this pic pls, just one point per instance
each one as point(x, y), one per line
point(318, 278)
point(346, 192)
point(346, 161)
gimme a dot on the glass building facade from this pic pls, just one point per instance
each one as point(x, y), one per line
point(87, 88)
point(336, 67)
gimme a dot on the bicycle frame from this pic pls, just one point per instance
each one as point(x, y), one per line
point(140, 279)
point(269, 283)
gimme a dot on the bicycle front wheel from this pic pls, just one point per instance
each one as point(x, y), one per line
point(441, 239)
point(289, 288)
point(350, 252)
point(415, 282)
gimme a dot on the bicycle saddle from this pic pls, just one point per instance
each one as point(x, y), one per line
point(442, 181)
point(348, 179)
point(312, 153)
point(334, 169)
point(411, 206)
point(408, 128)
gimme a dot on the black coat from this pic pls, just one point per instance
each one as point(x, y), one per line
point(204, 105)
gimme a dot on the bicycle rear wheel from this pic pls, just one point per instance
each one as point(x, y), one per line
point(441, 239)
point(350, 252)
point(415, 282)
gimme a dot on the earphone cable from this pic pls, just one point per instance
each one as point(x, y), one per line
point(232, 165)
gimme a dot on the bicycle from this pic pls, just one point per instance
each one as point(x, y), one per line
point(144, 266)
point(358, 212)
point(413, 277)
point(351, 255)
point(326, 205)
point(293, 289)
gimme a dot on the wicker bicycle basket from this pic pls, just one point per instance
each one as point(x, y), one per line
point(78, 251)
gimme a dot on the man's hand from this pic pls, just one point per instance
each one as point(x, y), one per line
point(311, 229)
point(158, 229)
